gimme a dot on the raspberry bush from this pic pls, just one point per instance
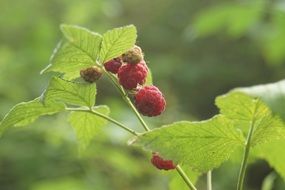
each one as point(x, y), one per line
point(248, 121)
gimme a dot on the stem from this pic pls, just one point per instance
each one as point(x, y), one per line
point(104, 117)
point(246, 153)
point(128, 101)
point(185, 177)
point(209, 180)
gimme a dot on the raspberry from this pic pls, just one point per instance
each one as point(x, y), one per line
point(91, 74)
point(162, 164)
point(133, 56)
point(130, 75)
point(113, 65)
point(150, 101)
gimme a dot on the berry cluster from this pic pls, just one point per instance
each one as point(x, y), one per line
point(131, 70)
point(162, 164)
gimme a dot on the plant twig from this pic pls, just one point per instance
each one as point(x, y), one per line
point(104, 117)
point(246, 153)
point(185, 177)
point(209, 180)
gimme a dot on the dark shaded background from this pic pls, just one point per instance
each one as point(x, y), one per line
point(196, 51)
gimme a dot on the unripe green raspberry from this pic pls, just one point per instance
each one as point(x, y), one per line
point(91, 74)
point(133, 56)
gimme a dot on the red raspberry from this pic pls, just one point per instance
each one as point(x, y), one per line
point(130, 75)
point(113, 65)
point(162, 164)
point(150, 101)
point(91, 74)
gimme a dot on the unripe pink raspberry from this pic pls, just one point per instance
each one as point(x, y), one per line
point(91, 74)
point(131, 75)
point(113, 65)
point(150, 101)
point(162, 164)
point(133, 56)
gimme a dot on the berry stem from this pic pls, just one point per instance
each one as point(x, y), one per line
point(209, 180)
point(185, 178)
point(246, 153)
point(127, 100)
point(104, 117)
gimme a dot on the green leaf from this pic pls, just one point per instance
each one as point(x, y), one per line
point(69, 60)
point(82, 38)
point(201, 145)
point(116, 42)
point(27, 112)
point(273, 94)
point(274, 154)
point(236, 18)
point(245, 111)
point(80, 50)
point(81, 94)
point(87, 125)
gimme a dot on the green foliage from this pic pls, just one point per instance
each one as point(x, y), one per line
point(116, 42)
point(87, 125)
point(241, 19)
point(27, 112)
point(80, 94)
point(272, 94)
point(69, 60)
point(82, 38)
point(205, 145)
point(235, 18)
point(80, 51)
point(274, 154)
point(246, 111)
point(200, 145)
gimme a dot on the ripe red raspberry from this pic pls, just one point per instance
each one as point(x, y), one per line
point(91, 74)
point(150, 101)
point(130, 75)
point(162, 164)
point(113, 65)
point(133, 56)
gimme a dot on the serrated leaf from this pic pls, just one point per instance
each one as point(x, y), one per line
point(245, 111)
point(69, 60)
point(274, 154)
point(87, 125)
point(82, 38)
point(273, 94)
point(79, 50)
point(201, 145)
point(116, 42)
point(81, 94)
point(27, 112)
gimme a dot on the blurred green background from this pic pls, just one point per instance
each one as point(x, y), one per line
point(196, 49)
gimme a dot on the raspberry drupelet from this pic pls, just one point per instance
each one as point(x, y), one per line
point(162, 164)
point(113, 65)
point(132, 75)
point(150, 101)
